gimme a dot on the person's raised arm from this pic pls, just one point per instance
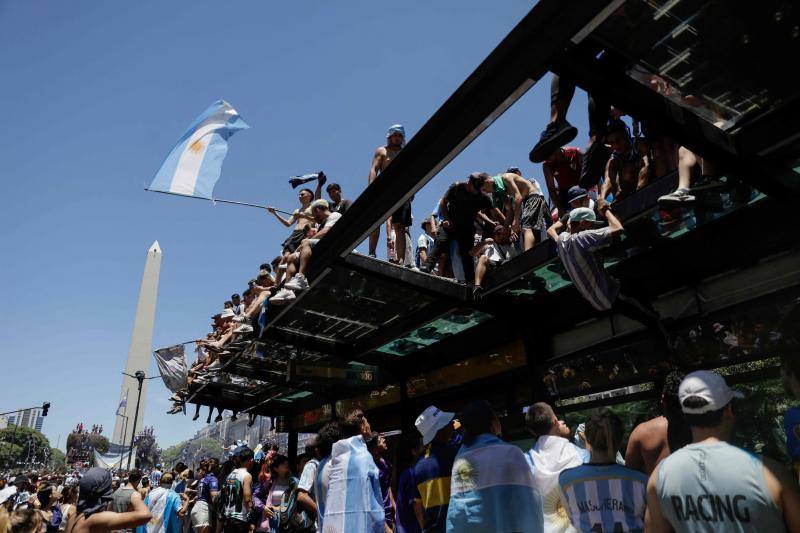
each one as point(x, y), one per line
point(555, 229)
point(604, 208)
point(443, 211)
point(109, 520)
point(434, 225)
point(610, 171)
point(654, 521)
point(286, 222)
point(550, 183)
point(320, 182)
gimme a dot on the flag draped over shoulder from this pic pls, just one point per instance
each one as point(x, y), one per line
point(194, 165)
point(354, 501)
point(163, 504)
point(172, 365)
point(491, 489)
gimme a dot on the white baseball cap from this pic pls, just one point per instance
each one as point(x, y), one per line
point(431, 421)
point(707, 385)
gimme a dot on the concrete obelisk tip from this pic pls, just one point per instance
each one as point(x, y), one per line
point(140, 351)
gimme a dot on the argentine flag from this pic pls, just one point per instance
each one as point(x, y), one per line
point(194, 165)
point(123, 405)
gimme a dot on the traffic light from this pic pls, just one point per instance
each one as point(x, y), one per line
point(45, 407)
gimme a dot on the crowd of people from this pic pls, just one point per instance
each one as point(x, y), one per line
point(480, 224)
point(454, 473)
point(477, 225)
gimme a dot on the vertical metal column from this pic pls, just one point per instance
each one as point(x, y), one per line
point(405, 415)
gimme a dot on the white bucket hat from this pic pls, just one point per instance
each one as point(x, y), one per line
point(431, 421)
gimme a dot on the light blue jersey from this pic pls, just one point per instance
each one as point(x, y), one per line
point(716, 487)
point(604, 498)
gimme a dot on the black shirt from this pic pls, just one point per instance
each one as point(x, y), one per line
point(341, 207)
point(462, 206)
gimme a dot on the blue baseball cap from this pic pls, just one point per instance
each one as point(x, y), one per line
point(576, 193)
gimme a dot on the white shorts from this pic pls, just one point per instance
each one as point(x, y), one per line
point(200, 516)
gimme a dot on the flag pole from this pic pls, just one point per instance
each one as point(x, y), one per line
point(218, 200)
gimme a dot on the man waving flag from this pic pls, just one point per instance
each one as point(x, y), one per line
point(194, 165)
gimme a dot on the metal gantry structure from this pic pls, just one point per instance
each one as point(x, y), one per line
point(361, 311)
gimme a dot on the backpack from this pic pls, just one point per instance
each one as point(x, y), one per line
point(292, 517)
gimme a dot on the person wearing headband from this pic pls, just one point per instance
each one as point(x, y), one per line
point(401, 218)
point(94, 495)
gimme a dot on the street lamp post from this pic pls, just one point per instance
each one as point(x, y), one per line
point(139, 376)
point(122, 444)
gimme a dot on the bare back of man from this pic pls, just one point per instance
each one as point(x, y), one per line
point(648, 445)
point(104, 521)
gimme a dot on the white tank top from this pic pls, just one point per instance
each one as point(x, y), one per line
point(233, 491)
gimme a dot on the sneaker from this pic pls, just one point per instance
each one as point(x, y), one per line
point(680, 197)
point(175, 409)
point(554, 136)
point(477, 293)
point(218, 418)
point(297, 283)
point(593, 163)
point(196, 416)
point(282, 296)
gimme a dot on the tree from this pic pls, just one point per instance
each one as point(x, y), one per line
point(191, 452)
point(22, 445)
point(98, 442)
point(58, 459)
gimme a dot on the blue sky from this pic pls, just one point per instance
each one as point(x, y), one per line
point(96, 93)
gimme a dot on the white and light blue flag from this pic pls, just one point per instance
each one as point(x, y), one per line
point(123, 404)
point(194, 165)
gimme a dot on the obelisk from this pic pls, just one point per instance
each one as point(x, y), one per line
point(140, 350)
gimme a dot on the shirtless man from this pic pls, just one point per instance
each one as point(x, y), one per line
point(652, 441)
point(91, 515)
point(627, 171)
point(400, 219)
point(527, 203)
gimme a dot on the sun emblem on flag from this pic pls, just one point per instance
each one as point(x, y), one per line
point(465, 475)
point(196, 146)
